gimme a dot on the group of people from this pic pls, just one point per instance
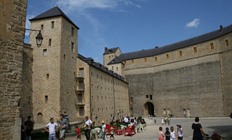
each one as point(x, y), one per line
point(52, 126)
point(171, 135)
point(198, 133)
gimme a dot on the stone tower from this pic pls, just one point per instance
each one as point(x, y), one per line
point(54, 66)
point(112, 54)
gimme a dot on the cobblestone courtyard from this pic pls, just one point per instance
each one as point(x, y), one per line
point(223, 126)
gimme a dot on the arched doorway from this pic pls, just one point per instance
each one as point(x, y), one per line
point(39, 118)
point(149, 109)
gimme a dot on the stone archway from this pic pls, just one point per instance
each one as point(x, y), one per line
point(149, 109)
point(39, 118)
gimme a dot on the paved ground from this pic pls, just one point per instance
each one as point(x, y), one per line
point(223, 126)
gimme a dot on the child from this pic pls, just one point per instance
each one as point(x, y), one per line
point(167, 134)
point(173, 133)
point(78, 131)
point(179, 132)
point(111, 133)
point(161, 133)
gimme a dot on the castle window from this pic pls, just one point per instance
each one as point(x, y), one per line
point(42, 26)
point(227, 42)
point(52, 24)
point(64, 56)
point(150, 97)
point(81, 72)
point(167, 55)
point(47, 76)
point(45, 98)
point(72, 31)
point(49, 42)
point(146, 96)
point(132, 60)
point(211, 46)
point(112, 67)
point(45, 52)
point(156, 59)
point(79, 98)
point(117, 68)
point(195, 49)
point(145, 59)
point(72, 47)
point(81, 111)
point(180, 53)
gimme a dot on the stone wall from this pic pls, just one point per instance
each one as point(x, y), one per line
point(46, 77)
point(26, 99)
point(68, 54)
point(13, 16)
point(196, 88)
point(194, 78)
point(226, 74)
point(104, 95)
point(82, 77)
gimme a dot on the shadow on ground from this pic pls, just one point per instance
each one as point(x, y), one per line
point(224, 131)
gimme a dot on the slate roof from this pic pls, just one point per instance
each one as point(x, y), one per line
point(110, 50)
point(53, 12)
point(179, 45)
point(99, 66)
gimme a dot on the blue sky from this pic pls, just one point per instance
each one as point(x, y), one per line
point(134, 25)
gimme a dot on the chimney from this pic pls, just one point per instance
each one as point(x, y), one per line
point(106, 49)
point(221, 28)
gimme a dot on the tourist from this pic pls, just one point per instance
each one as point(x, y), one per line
point(29, 124)
point(111, 133)
point(172, 134)
point(78, 131)
point(103, 130)
point(88, 125)
point(162, 120)
point(126, 120)
point(167, 134)
point(179, 132)
point(161, 134)
point(62, 126)
point(51, 129)
point(197, 130)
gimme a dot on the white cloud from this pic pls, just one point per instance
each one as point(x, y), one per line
point(97, 4)
point(193, 24)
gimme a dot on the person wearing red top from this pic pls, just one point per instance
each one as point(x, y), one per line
point(78, 131)
point(161, 134)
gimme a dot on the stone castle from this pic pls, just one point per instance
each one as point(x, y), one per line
point(65, 81)
point(188, 78)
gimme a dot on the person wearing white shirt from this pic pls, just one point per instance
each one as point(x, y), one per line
point(88, 124)
point(172, 134)
point(51, 129)
point(103, 130)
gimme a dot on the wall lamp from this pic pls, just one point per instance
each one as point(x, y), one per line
point(39, 37)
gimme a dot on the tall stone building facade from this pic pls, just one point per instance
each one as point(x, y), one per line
point(13, 17)
point(64, 81)
point(187, 78)
point(54, 66)
point(102, 94)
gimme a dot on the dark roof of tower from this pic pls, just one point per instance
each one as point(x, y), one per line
point(101, 67)
point(110, 50)
point(53, 12)
point(179, 45)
